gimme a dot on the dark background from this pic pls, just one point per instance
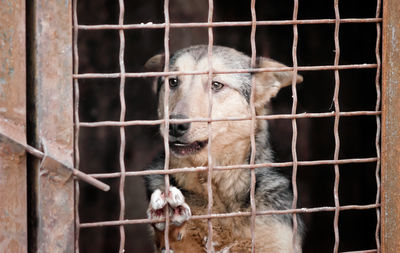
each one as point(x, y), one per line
point(99, 100)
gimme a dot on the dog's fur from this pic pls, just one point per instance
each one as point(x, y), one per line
point(231, 145)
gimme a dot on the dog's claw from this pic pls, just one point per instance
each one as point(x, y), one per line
point(179, 211)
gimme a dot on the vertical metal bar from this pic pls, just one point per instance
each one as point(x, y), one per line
point(253, 125)
point(336, 127)
point(13, 192)
point(52, 99)
point(378, 125)
point(210, 105)
point(391, 127)
point(76, 121)
point(166, 120)
point(294, 125)
point(122, 128)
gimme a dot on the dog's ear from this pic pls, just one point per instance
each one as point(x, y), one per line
point(155, 63)
point(268, 84)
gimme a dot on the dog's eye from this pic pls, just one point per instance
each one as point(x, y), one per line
point(173, 82)
point(216, 86)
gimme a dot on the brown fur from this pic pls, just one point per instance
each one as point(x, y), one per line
point(230, 145)
point(228, 233)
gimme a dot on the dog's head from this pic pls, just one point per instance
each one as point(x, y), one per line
point(189, 98)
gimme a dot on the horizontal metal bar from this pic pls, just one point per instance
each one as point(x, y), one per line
point(234, 71)
point(361, 251)
point(79, 174)
point(234, 167)
point(150, 25)
point(230, 215)
point(264, 117)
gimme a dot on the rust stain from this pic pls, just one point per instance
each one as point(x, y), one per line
point(391, 128)
point(13, 219)
point(12, 55)
point(52, 55)
point(13, 214)
point(54, 72)
point(56, 224)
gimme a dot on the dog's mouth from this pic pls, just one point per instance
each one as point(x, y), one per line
point(185, 149)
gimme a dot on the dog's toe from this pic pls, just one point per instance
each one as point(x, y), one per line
point(175, 197)
point(181, 214)
point(157, 200)
point(156, 208)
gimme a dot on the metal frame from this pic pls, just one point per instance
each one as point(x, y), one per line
point(51, 99)
point(337, 114)
point(37, 190)
point(50, 96)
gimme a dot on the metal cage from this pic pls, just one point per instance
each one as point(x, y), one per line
point(41, 124)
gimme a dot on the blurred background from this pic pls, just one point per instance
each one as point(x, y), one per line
point(99, 101)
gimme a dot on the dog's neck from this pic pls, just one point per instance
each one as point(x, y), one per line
point(228, 184)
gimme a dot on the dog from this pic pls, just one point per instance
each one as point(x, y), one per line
point(230, 145)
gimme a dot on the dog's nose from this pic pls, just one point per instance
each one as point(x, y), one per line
point(179, 129)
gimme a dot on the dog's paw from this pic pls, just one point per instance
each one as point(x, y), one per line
point(179, 211)
point(156, 208)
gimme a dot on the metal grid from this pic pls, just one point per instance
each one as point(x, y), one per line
point(337, 114)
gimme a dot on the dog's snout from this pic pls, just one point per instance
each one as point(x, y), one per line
point(178, 129)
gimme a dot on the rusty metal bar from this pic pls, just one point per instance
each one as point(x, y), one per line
point(166, 120)
point(336, 128)
point(13, 173)
point(263, 117)
point(239, 166)
point(378, 126)
point(362, 251)
point(51, 97)
point(175, 73)
point(233, 214)
point(43, 156)
point(253, 125)
point(391, 127)
point(122, 128)
point(209, 245)
point(294, 123)
point(150, 25)
point(76, 119)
